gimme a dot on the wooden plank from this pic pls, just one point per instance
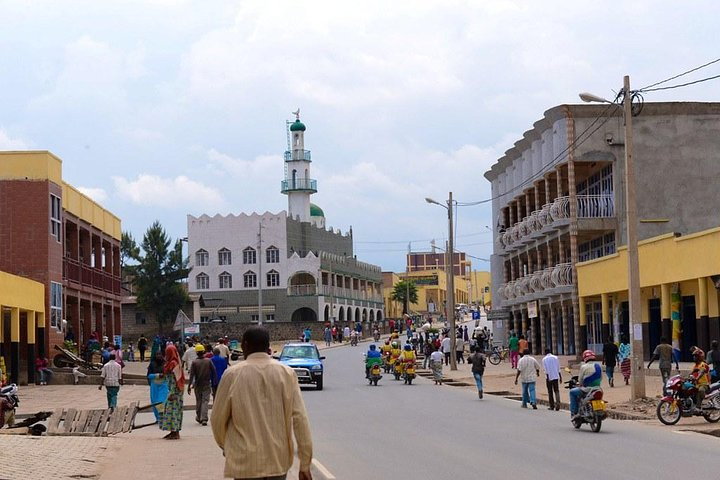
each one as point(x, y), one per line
point(54, 421)
point(130, 418)
point(117, 416)
point(82, 419)
point(103, 423)
point(92, 424)
point(69, 419)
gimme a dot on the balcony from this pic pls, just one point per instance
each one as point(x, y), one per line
point(300, 155)
point(539, 284)
point(553, 215)
point(298, 185)
point(85, 275)
point(302, 290)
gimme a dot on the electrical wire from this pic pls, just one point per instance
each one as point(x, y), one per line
point(679, 75)
point(657, 89)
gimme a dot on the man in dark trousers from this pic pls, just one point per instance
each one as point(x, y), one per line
point(610, 355)
point(142, 346)
point(202, 376)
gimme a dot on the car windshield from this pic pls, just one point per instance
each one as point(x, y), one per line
point(300, 351)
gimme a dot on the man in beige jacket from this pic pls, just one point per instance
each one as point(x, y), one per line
point(257, 409)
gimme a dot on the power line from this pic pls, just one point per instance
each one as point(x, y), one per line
point(679, 75)
point(680, 85)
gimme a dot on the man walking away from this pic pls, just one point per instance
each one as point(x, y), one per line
point(220, 366)
point(142, 346)
point(610, 356)
point(551, 365)
point(257, 410)
point(528, 370)
point(477, 359)
point(111, 374)
point(514, 347)
point(202, 375)
point(445, 347)
point(664, 352)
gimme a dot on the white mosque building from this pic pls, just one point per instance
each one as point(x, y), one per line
point(281, 267)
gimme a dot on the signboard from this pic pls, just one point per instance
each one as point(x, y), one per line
point(475, 315)
point(192, 329)
point(424, 280)
point(498, 315)
point(532, 309)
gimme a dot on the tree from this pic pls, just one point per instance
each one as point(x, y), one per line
point(159, 274)
point(129, 250)
point(400, 293)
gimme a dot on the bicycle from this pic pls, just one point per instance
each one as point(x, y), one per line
point(498, 355)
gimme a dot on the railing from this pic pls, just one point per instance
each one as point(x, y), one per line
point(560, 208)
point(305, 156)
point(298, 290)
point(298, 184)
point(337, 292)
point(78, 272)
point(562, 275)
point(595, 206)
point(558, 276)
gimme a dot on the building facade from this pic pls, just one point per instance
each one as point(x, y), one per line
point(558, 199)
point(53, 234)
point(287, 266)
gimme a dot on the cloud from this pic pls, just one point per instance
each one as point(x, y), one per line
point(263, 165)
point(97, 194)
point(8, 143)
point(170, 193)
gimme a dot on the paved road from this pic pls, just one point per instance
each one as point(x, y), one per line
point(428, 431)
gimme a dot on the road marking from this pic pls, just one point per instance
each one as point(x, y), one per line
point(323, 471)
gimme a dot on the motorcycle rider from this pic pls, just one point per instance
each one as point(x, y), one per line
point(590, 376)
point(408, 355)
point(372, 357)
point(701, 375)
point(394, 352)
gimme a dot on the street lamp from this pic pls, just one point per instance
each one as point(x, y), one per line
point(638, 385)
point(450, 279)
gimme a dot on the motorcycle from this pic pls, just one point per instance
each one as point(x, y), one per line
point(409, 373)
point(353, 340)
point(374, 374)
point(376, 336)
point(8, 403)
point(592, 408)
point(680, 401)
point(397, 369)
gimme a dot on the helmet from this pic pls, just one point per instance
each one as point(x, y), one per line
point(394, 344)
point(372, 347)
point(588, 355)
point(408, 346)
point(199, 348)
point(387, 342)
point(698, 353)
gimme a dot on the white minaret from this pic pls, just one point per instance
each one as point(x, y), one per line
point(298, 185)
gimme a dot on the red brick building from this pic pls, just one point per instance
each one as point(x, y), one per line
point(55, 235)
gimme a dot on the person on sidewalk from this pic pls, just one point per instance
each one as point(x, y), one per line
point(459, 349)
point(553, 377)
point(111, 374)
point(131, 352)
point(664, 353)
point(172, 412)
point(713, 360)
point(202, 375)
point(142, 346)
point(514, 348)
point(188, 355)
point(610, 356)
point(436, 364)
point(477, 359)
point(624, 357)
point(41, 365)
point(428, 349)
point(327, 335)
point(446, 347)
point(77, 375)
point(257, 411)
point(220, 366)
point(522, 344)
point(528, 370)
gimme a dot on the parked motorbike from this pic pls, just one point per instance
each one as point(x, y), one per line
point(592, 409)
point(374, 374)
point(409, 373)
point(9, 401)
point(680, 401)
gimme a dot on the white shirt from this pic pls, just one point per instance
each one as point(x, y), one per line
point(436, 356)
point(527, 367)
point(112, 373)
point(551, 365)
point(189, 355)
point(445, 344)
point(346, 332)
point(459, 344)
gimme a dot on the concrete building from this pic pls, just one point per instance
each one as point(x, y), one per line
point(558, 199)
point(56, 236)
point(286, 265)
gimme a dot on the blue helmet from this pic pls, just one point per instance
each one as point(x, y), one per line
point(372, 347)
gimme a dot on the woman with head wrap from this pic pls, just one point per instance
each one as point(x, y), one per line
point(171, 417)
point(158, 384)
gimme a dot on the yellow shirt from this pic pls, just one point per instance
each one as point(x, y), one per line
point(257, 408)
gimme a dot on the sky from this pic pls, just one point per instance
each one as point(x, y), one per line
point(164, 108)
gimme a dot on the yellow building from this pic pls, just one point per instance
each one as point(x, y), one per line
point(679, 281)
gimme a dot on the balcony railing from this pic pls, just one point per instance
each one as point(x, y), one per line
point(298, 184)
point(302, 290)
point(537, 282)
point(75, 271)
point(305, 155)
point(588, 206)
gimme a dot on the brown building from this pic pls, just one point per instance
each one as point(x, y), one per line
point(53, 234)
point(422, 261)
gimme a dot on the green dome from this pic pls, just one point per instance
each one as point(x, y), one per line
point(316, 211)
point(297, 126)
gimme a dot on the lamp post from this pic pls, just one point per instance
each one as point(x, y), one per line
point(634, 299)
point(451, 278)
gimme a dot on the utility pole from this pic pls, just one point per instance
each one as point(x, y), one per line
point(407, 281)
point(451, 285)
point(260, 304)
point(637, 361)
point(331, 281)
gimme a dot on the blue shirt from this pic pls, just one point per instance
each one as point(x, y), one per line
point(220, 365)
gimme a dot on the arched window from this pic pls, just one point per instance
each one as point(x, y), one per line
point(225, 280)
point(272, 254)
point(249, 256)
point(202, 281)
point(250, 279)
point(273, 279)
point(201, 258)
point(224, 257)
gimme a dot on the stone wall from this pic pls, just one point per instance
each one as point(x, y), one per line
point(279, 331)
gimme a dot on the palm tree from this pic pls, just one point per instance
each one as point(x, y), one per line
point(402, 290)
